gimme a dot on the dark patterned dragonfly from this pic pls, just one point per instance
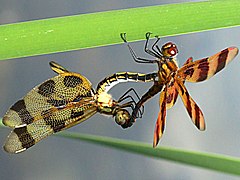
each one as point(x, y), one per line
point(64, 101)
point(171, 78)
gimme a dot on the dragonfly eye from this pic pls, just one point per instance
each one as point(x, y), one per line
point(169, 50)
point(122, 117)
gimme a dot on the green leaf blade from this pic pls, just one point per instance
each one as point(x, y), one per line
point(221, 163)
point(103, 28)
point(217, 162)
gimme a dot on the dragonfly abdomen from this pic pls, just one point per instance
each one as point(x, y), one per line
point(106, 84)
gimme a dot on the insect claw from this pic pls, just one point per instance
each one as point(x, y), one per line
point(148, 34)
point(123, 37)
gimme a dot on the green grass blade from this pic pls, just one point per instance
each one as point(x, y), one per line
point(103, 28)
point(224, 164)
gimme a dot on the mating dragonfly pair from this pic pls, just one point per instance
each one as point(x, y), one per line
point(69, 99)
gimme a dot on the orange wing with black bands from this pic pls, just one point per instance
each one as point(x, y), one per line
point(205, 68)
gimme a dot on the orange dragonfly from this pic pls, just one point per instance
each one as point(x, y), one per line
point(64, 101)
point(171, 78)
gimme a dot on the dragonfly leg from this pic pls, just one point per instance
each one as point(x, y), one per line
point(156, 88)
point(134, 55)
point(151, 52)
point(132, 103)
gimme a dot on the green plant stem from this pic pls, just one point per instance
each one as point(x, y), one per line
point(103, 28)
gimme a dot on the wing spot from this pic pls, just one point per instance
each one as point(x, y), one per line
point(222, 60)
point(24, 137)
point(189, 72)
point(204, 69)
point(57, 103)
point(47, 88)
point(197, 122)
point(51, 120)
point(24, 115)
point(72, 81)
point(189, 104)
point(76, 114)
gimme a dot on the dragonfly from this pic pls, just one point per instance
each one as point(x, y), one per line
point(171, 78)
point(64, 101)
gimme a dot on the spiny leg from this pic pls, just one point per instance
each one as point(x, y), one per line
point(154, 52)
point(122, 116)
point(147, 50)
point(134, 55)
point(158, 51)
point(148, 95)
point(132, 102)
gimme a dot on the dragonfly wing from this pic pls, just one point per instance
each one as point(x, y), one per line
point(192, 108)
point(25, 136)
point(205, 68)
point(172, 95)
point(161, 120)
point(172, 92)
point(55, 93)
point(57, 68)
point(54, 105)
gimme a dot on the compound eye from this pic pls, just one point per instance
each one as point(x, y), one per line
point(122, 117)
point(169, 49)
point(172, 51)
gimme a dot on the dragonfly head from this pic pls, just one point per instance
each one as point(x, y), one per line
point(122, 117)
point(169, 50)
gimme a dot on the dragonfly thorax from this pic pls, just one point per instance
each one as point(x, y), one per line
point(167, 69)
point(167, 62)
point(104, 102)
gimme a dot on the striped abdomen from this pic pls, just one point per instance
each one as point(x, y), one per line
point(110, 81)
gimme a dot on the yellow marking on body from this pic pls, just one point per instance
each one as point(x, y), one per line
point(164, 66)
point(105, 99)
